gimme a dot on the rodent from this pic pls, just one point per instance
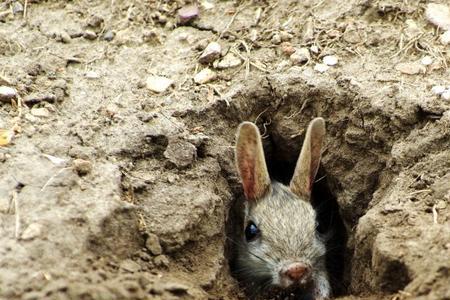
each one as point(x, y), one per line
point(280, 245)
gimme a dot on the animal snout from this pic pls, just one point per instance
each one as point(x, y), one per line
point(296, 271)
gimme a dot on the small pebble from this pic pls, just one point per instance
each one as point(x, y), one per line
point(130, 266)
point(40, 112)
point(89, 35)
point(254, 35)
point(176, 288)
point(330, 60)
point(211, 53)
point(229, 61)
point(65, 37)
point(183, 37)
point(445, 38)
point(5, 81)
point(201, 45)
point(180, 153)
point(438, 89)
point(82, 166)
point(94, 21)
point(441, 204)
point(172, 178)
point(314, 49)
point(30, 118)
point(7, 93)
point(276, 39)
point(38, 97)
point(321, 68)
point(334, 33)
point(32, 231)
point(285, 36)
point(412, 29)
point(207, 4)
point(287, 48)
point(153, 245)
point(439, 15)
point(162, 19)
point(151, 36)
point(161, 261)
point(187, 14)
point(300, 56)
point(282, 65)
point(410, 68)
point(92, 75)
point(6, 136)
point(109, 35)
point(169, 25)
point(198, 139)
point(158, 84)
point(352, 35)
point(17, 8)
point(446, 95)
point(426, 60)
point(204, 76)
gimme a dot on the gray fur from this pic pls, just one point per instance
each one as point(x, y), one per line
point(284, 216)
point(288, 234)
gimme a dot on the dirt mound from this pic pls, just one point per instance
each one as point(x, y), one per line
point(117, 174)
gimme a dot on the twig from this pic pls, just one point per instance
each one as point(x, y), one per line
point(265, 124)
point(321, 178)
point(246, 59)
point(229, 24)
point(298, 112)
point(260, 114)
point(220, 95)
point(174, 124)
point(407, 46)
point(53, 177)
point(17, 214)
point(420, 191)
point(25, 6)
point(435, 215)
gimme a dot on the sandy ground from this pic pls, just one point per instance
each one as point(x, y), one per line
point(110, 190)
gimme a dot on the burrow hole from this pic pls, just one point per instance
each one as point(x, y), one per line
point(281, 164)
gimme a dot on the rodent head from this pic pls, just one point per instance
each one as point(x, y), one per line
point(281, 245)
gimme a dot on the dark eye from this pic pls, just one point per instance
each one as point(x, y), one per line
point(251, 231)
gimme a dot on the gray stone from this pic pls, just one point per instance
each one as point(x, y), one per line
point(7, 93)
point(17, 7)
point(89, 35)
point(162, 261)
point(187, 14)
point(130, 266)
point(153, 245)
point(82, 166)
point(109, 35)
point(211, 53)
point(180, 153)
point(229, 61)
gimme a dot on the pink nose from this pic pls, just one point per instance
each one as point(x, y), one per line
point(296, 271)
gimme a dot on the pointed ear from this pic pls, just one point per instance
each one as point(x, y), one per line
point(309, 160)
point(251, 163)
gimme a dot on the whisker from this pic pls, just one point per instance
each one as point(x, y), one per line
point(238, 244)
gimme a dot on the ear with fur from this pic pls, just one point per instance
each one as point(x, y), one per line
point(309, 160)
point(251, 163)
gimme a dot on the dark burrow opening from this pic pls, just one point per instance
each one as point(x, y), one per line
point(281, 169)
